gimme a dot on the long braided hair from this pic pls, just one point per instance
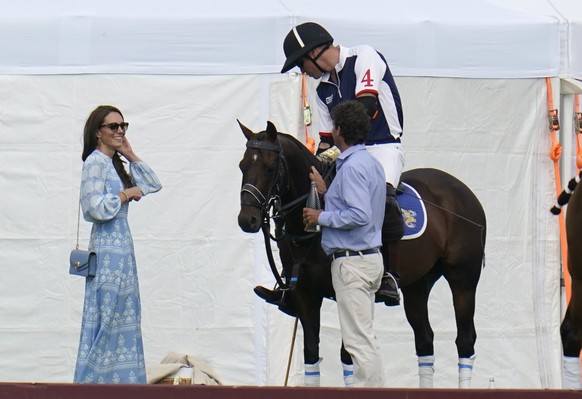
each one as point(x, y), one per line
point(95, 120)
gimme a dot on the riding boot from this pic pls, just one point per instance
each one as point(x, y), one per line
point(277, 297)
point(392, 232)
point(271, 296)
point(388, 291)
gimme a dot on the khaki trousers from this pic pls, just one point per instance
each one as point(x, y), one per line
point(355, 281)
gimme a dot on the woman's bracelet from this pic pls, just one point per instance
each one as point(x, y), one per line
point(125, 195)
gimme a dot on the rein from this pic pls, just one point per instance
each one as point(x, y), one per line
point(266, 204)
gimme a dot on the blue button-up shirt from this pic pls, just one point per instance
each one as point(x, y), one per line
point(354, 203)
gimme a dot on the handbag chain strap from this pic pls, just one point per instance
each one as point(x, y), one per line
point(78, 221)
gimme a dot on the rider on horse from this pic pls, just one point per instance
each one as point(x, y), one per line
point(359, 73)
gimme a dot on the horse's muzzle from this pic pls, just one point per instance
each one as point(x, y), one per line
point(249, 220)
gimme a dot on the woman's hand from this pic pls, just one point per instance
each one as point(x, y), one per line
point(127, 151)
point(132, 193)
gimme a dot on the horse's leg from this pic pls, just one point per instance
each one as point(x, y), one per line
point(416, 308)
point(463, 281)
point(571, 333)
point(309, 314)
point(570, 359)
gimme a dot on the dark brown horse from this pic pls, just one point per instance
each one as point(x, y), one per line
point(571, 327)
point(275, 169)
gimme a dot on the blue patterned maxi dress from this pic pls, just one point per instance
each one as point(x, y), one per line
point(111, 346)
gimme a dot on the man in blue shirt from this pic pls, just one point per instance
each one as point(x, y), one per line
point(352, 235)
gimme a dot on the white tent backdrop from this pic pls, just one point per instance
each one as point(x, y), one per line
point(475, 105)
point(480, 38)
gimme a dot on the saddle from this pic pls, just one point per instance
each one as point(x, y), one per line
point(413, 211)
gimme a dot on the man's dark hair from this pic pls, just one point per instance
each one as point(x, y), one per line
point(351, 117)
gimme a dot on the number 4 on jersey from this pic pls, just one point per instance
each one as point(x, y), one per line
point(367, 79)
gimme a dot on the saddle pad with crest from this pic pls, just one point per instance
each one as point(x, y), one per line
point(413, 211)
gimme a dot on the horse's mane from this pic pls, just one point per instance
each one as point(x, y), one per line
point(312, 159)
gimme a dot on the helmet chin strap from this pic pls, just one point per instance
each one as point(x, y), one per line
point(314, 59)
point(318, 67)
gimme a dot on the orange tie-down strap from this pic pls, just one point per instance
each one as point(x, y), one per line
point(578, 120)
point(555, 154)
point(309, 142)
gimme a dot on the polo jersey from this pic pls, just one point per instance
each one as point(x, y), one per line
point(362, 70)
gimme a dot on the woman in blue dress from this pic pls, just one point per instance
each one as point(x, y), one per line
point(111, 346)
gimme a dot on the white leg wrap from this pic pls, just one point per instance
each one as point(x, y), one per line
point(571, 373)
point(312, 375)
point(465, 371)
point(348, 374)
point(426, 371)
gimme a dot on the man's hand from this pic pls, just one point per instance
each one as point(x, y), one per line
point(311, 216)
point(319, 183)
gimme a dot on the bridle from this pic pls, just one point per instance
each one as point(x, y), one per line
point(271, 208)
point(251, 189)
point(270, 204)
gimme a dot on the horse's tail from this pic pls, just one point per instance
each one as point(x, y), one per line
point(565, 195)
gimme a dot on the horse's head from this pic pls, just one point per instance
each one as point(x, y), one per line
point(275, 182)
point(261, 168)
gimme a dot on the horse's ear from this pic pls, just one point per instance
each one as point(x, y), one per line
point(271, 131)
point(246, 131)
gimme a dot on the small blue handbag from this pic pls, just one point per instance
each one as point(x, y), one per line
point(82, 263)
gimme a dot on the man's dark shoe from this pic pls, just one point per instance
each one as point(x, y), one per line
point(276, 297)
point(388, 291)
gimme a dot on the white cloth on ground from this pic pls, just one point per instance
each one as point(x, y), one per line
point(202, 373)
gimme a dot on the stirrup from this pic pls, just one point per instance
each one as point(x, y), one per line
point(388, 291)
